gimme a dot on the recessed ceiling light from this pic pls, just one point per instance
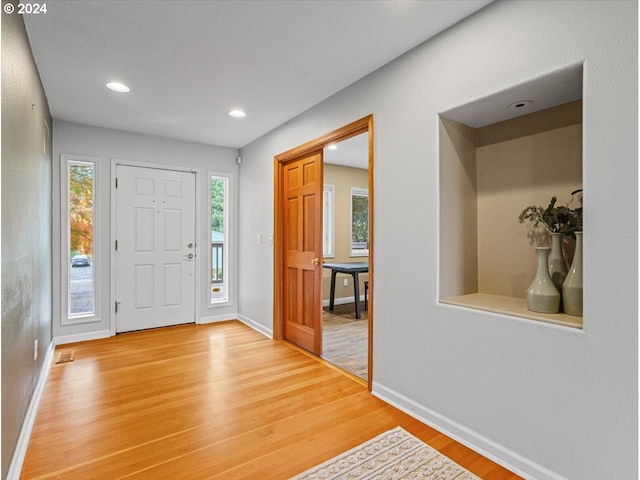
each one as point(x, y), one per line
point(237, 113)
point(117, 87)
point(333, 146)
point(520, 105)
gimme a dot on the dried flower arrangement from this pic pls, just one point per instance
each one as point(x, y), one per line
point(557, 219)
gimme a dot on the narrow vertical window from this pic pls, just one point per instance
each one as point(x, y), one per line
point(219, 260)
point(328, 212)
point(81, 215)
point(359, 222)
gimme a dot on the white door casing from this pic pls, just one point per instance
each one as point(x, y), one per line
point(155, 254)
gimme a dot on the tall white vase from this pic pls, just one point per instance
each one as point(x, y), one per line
point(572, 286)
point(542, 295)
point(557, 265)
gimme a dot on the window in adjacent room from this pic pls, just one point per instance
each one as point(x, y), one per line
point(359, 222)
point(328, 220)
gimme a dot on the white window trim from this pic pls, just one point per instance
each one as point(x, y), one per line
point(356, 192)
point(228, 274)
point(328, 221)
point(65, 317)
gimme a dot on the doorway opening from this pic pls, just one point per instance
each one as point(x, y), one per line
point(300, 261)
point(345, 229)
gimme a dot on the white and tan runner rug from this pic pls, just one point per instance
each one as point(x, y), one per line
point(393, 455)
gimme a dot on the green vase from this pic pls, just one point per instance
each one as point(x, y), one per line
point(557, 265)
point(572, 286)
point(542, 295)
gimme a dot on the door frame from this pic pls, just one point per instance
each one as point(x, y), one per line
point(112, 232)
point(357, 127)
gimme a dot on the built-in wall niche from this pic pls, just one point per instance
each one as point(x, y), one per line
point(499, 155)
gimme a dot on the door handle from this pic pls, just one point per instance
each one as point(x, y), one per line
point(316, 261)
point(189, 256)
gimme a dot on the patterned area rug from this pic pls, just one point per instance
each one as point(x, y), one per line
point(393, 455)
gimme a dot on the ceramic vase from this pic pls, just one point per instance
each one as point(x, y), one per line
point(572, 286)
point(557, 265)
point(542, 295)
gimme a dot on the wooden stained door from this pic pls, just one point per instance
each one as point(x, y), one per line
point(302, 217)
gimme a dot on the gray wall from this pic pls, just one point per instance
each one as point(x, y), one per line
point(549, 401)
point(26, 230)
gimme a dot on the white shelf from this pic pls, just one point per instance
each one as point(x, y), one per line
point(516, 307)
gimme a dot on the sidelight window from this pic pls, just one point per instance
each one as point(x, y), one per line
point(79, 245)
point(219, 258)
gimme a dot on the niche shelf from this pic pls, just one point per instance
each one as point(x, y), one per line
point(498, 155)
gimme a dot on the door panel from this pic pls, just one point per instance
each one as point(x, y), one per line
point(155, 258)
point(302, 187)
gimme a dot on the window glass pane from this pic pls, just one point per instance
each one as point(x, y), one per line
point(359, 222)
point(218, 281)
point(81, 234)
point(328, 221)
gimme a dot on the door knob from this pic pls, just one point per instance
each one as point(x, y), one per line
point(316, 261)
point(190, 256)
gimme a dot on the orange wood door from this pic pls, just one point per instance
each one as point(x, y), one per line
point(302, 280)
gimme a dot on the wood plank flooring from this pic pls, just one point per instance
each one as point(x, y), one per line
point(345, 339)
point(207, 402)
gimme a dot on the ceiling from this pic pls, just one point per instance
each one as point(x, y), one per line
point(352, 152)
point(548, 90)
point(188, 63)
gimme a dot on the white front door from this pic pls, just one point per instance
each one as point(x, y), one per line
point(155, 248)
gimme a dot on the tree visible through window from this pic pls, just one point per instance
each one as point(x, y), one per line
point(359, 222)
point(81, 234)
point(218, 190)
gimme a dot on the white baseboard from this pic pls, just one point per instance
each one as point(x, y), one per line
point(342, 301)
point(30, 417)
point(501, 455)
point(256, 326)
point(217, 318)
point(82, 337)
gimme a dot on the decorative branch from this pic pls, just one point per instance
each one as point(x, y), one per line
point(555, 219)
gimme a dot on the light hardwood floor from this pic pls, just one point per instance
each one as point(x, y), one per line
point(207, 402)
point(345, 339)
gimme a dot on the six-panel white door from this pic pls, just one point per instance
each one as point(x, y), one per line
point(155, 255)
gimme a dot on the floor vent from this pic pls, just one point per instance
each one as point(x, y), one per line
point(65, 356)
